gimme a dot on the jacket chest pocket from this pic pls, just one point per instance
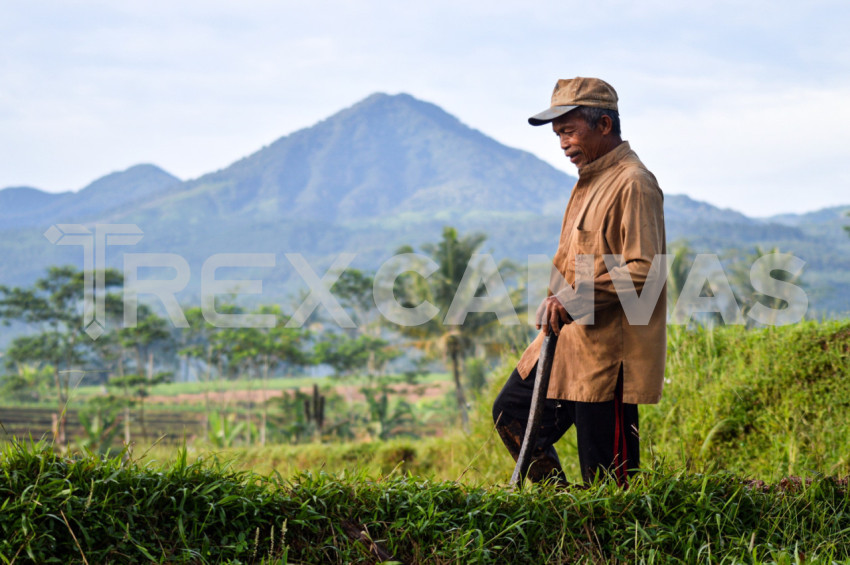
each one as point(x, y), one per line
point(586, 254)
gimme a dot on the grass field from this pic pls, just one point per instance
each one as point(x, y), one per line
point(282, 383)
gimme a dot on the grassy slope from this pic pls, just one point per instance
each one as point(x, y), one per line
point(762, 404)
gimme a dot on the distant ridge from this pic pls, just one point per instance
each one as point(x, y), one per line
point(826, 215)
point(688, 208)
point(24, 200)
point(30, 207)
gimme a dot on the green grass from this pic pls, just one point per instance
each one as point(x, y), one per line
point(67, 509)
point(763, 403)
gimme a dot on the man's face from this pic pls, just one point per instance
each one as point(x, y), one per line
point(581, 143)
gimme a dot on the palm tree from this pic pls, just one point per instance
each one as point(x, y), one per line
point(680, 265)
point(453, 255)
point(748, 297)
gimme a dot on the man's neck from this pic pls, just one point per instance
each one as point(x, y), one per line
point(609, 144)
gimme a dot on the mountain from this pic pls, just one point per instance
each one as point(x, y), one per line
point(22, 207)
point(388, 171)
point(25, 200)
point(384, 157)
point(679, 206)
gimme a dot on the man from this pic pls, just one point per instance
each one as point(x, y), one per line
point(607, 298)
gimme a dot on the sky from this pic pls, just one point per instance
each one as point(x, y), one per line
point(745, 105)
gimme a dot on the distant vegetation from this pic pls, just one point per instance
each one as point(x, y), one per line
point(381, 363)
point(55, 356)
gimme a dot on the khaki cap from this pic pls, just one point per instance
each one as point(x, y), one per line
point(570, 93)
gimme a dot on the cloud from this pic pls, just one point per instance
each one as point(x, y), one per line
point(762, 151)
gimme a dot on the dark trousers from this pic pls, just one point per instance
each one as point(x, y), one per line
point(607, 432)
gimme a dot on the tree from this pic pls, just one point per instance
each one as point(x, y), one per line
point(111, 351)
point(134, 389)
point(149, 335)
point(353, 288)
point(29, 383)
point(347, 355)
point(454, 342)
point(741, 274)
point(197, 345)
point(680, 266)
point(54, 308)
point(847, 228)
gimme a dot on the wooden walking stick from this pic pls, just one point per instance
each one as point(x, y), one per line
point(538, 399)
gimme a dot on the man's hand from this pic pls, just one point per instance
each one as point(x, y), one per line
point(552, 314)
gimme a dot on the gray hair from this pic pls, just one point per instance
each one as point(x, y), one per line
point(591, 115)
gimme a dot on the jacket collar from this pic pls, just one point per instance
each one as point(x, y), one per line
point(609, 159)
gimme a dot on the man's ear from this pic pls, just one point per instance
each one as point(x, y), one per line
point(605, 124)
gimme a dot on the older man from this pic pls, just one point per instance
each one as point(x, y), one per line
point(607, 298)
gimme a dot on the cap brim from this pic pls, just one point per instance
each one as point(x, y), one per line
point(549, 114)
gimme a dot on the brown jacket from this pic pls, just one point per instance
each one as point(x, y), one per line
point(616, 208)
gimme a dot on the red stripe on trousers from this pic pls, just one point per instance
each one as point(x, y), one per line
point(621, 453)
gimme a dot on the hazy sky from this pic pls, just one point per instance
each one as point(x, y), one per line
point(743, 105)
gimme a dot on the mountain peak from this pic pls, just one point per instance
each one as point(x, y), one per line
point(386, 155)
point(385, 98)
point(380, 107)
point(377, 97)
point(140, 179)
